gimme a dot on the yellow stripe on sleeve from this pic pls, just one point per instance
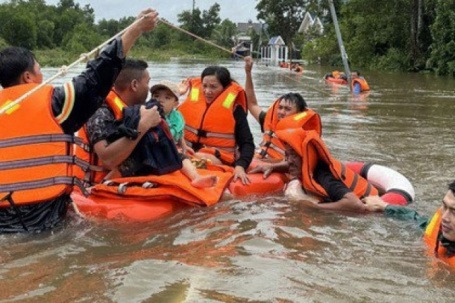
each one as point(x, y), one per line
point(68, 104)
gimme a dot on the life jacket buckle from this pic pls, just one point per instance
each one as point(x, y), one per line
point(122, 188)
point(202, 133)
point(149, 184)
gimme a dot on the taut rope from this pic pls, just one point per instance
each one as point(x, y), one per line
point(64, 69)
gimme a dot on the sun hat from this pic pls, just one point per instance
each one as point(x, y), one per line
point(173, 87)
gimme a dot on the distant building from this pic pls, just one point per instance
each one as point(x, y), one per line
point(243, 40)
point(311, 22)
point(276, 51)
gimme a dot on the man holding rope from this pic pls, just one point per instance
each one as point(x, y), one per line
point(36, 136)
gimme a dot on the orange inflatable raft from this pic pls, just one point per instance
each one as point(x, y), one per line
point(335, 77)
point(150, 197)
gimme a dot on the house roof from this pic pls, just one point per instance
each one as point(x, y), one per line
point(310, 21)
point(243, 27)
point(277, 40)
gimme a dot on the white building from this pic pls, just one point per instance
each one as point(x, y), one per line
point(276, 51)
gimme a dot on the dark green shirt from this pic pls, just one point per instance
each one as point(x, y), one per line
point(406, 214)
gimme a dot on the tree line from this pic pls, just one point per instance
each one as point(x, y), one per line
point(406, 35)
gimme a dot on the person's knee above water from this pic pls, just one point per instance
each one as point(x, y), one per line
point(216, 126)
point(35, 196)
point(288, 111)
point(439, 230)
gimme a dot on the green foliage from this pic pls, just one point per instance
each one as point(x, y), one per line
point(394, 60)
point(442, 58)
point(283, 17)
point(211, 19)
point(82, 38)
point(3, 43)
point(386, 34)
point(45, 35)
point(200, 25)
point(223, 34)
point(20, 30)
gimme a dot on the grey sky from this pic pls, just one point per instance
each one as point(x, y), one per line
point(235, 10)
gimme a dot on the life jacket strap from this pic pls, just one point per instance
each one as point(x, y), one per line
point(37, 184)
point(10, 200)
point(24, 163)
point(122, 187)
point(205, 134)
point(37, 139)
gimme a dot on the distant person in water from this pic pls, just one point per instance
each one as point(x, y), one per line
point(358, 83)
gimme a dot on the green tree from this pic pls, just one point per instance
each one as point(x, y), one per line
point(200, 23)
point(81, 39)
point(192, 22)
point(161, 37)
point(108, 27)
point(283, 17)
point(442, 58)
point(224, 32)
point(67, 16)
point(20, 30)
point(45, 35)
point(210, 19)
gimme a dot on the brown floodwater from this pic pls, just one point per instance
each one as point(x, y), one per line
point(267, 249)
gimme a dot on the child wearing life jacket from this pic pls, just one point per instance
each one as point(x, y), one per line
point(167, 94)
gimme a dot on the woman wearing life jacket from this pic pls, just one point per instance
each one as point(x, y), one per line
point(358, 83)
point(36, 136)
point(331, 184)
point(439, 230)
point(288, 111)
point(216, 127)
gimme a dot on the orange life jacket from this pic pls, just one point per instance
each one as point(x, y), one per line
point(212, 125)
point(363, 84)
point(271, 147)
point(36, 156)
point(309, 145)
point(431, 238)
point(96, 173)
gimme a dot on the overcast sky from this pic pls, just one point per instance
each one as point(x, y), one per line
point(235, 10)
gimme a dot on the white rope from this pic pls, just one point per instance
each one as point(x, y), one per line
point(64, 69)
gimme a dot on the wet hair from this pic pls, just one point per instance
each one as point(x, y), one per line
point(452, 187)
point(14, 61)
point(356, 72)
point(131, 70)
point(297, 99)
point(221, 73)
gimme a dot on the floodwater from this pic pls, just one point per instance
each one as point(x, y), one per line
point(268, 249)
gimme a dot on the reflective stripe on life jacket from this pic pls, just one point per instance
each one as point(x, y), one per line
point(36, 156)
point(271, 146)
point(96, 173)
point(431, 238)
point(312, 149)
point(363, 84)
point(212, 125)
